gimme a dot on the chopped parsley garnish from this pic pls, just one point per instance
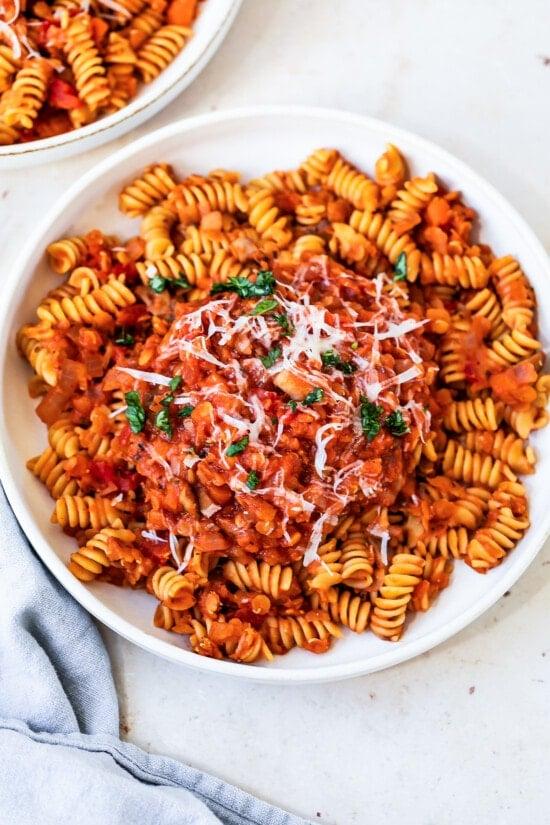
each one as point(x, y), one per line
point(312, 397)
point(158, 284)
point(396, 424)
point(237, 447)
point(186, 411)
point(167, 400)
point(162, 421)
point(370, 418)
point(400, 267)
point(124, 338)
point(293, 405)
point(272, 356)
point(332, 359)
point(252, 480)
point(134, 411)
point(263, 285)
point(175, 382)
point(264, 306)
point(284, 323)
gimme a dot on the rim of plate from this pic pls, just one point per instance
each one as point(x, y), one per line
point(396, 653)
point(152, 94)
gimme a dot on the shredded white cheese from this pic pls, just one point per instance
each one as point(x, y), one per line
point(187, 555)
point(321, 445)
point(316, 538)
point(12, 39)
point(118, 411)
point(152, 536)
point(149, 377)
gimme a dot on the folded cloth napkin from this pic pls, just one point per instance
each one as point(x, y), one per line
point(61, 758)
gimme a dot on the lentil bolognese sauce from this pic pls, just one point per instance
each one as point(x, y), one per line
point(286, 407)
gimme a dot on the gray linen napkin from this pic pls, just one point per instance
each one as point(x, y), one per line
point(61, 758)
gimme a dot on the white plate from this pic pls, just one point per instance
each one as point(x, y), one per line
point(209, 30)
point(253, 141)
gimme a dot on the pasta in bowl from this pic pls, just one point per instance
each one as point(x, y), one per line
point(288, 406)
point(74, 74)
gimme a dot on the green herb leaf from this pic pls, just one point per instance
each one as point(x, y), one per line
point(312, 397)
point(269, 359)
point(134, 411)
point(347, 367)
point(274, 420)
point(182, 282)
point(264, 306)
point(396, 424)
point(400, 267)
point(162, 421)
point(332, 359)
point(186, 411)
point(284, 323)
point(124, 338)
point(167, 400)
point(263, 285)
point(253, 479)
point(370, 418)
point(237, 447)
point(175, 382)
point(158, 284)
point(293, 405)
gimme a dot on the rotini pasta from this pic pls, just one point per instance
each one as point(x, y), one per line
point(70, 62)
point(280, 409)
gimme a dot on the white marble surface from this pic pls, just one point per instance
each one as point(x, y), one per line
point(462, 733)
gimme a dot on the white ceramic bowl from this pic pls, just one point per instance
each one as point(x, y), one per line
point(209, 30)
point(253, 141)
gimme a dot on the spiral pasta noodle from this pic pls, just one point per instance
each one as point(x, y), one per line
point(66, 254)
point(347, 182)
point(86, 63)
point(92, 559)
point(27, 94)
point(382, 233)
point(155, 231)
point(73, 511)
point(282, 634)
point(63, 438)
point(412, 199)
point(517, 298)
point(159, 51)
point(274, 580)
point(454, 270)
point(390, 604)
point(503, 529)
point(477, 414)
point(149, 189)
point(96, 307)
point(9, 66)
point(465, 465)
point(51, 471)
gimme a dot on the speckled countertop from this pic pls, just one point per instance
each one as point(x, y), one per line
point(461, 734)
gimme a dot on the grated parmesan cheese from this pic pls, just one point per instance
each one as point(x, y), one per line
point(149, 377)
point(12, 39)
point(316, 538)
point(151, 535)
